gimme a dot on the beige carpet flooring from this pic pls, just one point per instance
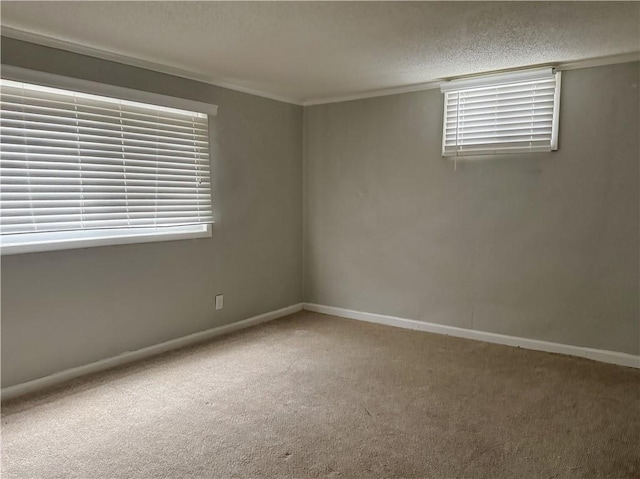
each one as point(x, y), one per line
point(317, 396)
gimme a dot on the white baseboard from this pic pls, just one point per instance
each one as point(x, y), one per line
point(612, 357)
point(130, 356)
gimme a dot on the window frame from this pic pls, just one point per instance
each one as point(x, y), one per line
point(504, 79)
point(61, 240)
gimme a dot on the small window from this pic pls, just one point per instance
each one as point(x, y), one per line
point(82, 170)
point(510, 113)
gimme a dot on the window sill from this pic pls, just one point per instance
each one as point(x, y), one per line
point(39, 242)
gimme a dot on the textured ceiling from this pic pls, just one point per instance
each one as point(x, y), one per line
point(314, 50)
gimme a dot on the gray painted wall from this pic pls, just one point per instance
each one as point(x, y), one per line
point(541, 246)
point(67, 308)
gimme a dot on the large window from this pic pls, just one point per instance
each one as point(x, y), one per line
point(509, 113)
point(80, 169)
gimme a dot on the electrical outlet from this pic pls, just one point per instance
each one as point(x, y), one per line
point(219, 301)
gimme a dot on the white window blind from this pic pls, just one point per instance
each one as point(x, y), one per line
point(72, 161)
point(515, 112)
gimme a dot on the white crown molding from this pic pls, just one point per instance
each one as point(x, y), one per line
point(611, 357)
point(430, 85)
point(130, 356)
point(600, 61)
point(47, 41)
point(51, 42)
point(376, 93)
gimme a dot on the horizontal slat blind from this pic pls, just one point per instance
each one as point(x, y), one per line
point(501, 118)
point(73, 161)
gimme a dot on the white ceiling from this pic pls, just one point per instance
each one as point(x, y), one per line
point(314, 50)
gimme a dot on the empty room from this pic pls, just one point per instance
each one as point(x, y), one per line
point(267, 240)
